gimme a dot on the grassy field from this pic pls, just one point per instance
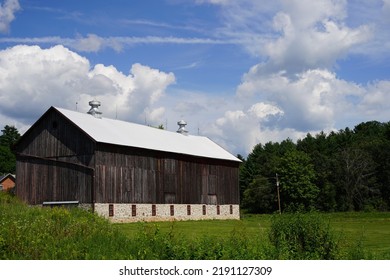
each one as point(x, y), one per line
point(43, 233)
point(371, 229)
point(367, 231)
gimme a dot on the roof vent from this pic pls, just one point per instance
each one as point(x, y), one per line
point(94, 111)
point(182, 129)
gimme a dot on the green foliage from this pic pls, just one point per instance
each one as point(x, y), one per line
point(9, 137)
point(302, 236)
point(348, 170)
point(298, 191)
point(263, 163)
point(260, 196)
point(7, 161)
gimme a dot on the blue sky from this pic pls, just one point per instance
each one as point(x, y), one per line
point(240, 72)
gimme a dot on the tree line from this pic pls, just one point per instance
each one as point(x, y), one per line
point(347, 170)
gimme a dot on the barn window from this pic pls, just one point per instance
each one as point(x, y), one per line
point(188, 210)
point(218, 210)
point(154, 210)
point(204, 210)
point(133, 210)
point(231, 209)
point(111, 210)
point(172, 210)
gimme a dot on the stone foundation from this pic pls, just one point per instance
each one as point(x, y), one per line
point(122, 212)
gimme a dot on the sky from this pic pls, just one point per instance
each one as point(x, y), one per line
point(240, 72)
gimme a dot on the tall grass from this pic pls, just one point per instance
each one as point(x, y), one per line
point(57, 233)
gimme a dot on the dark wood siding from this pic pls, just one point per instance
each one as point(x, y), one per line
point(49, 180)
point(55, 137)
point(130, 175)
point(54, 161)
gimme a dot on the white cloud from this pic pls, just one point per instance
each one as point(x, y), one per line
point(33, 79)
point(279, 107)
point(262, 111)
point(241, 130)
point(319, 44)
point(375, 103)
point(95, 43)
point(7, 14)
point(91, 43)
point(294, 89)
point(268, 107)
point(310, 101)
point(293, 35)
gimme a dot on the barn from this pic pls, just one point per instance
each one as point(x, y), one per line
point(125, 171)
point(7, 182)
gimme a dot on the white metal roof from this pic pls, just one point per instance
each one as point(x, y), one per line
point(123, 133)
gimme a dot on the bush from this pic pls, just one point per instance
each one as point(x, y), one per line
point(302, 236)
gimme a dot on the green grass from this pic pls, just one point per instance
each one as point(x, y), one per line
point(44, 233)
point(354, 230)
point(371, 230)
point(213, 228)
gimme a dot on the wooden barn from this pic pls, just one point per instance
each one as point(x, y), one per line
point(125, 171)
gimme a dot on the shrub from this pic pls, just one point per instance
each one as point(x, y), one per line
point(302, 236)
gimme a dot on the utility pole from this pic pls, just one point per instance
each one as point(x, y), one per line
point(277, 189)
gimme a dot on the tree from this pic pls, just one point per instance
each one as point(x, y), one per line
point(297, 189)
point(257, 176)
point(321, 153)
point(260, 196)
point(7, 159)
point(344, 170)
point(357, 170)
point(10, 136)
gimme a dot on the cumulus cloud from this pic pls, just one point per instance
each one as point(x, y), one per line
point(294, 89)
point(33, 79)
point(280, 107)
point(7, 14)
point(311, 100)
point(375, 103)
point(240, 130)
point(311, 44)
point(293, 35)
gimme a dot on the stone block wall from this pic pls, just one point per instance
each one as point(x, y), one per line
point(122, 212)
